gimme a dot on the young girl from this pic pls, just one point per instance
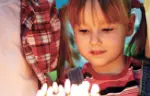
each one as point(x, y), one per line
point(100, 28)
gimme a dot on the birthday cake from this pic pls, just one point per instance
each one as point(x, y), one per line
point(69, 89)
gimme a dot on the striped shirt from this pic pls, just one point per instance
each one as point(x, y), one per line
point(125, 83)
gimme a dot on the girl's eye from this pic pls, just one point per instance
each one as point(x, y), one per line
point(83, 30)
point(107, 29)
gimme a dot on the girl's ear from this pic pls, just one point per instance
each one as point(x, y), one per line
point(131, 25)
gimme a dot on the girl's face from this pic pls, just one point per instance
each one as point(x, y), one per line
point(99, 42)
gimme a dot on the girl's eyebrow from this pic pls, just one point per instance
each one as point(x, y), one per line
point(87, 25)
point(100, 25)
point(83, 25)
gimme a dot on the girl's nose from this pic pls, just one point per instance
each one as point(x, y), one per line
point(95, 39)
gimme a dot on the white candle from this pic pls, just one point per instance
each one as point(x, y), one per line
point(49, 91)
point(55, 87)
point(83, 90)
point(44, 88)
point(86, 85)
point(94, 90)
point(42, 91)
point(39, 93)
point(74, 90)
point(67, 86)
point(61, 91)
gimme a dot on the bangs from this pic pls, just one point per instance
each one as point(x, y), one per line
point(116, 10)
point(113, 11)
point(74, 11)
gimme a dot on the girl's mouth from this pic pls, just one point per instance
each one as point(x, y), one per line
point(97, 52)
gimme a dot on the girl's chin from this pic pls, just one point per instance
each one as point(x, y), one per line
point(98, 61)
point(98, 64)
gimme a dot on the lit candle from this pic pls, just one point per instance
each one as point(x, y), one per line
point(39, 93)
point(86, 85)
point(42, 91)
point(83, 90)
point(44, 88)
point(74, 90)
point(49, 91)
point(95, 90)
point(55, 87)
point(67, 86)
point(61, 91)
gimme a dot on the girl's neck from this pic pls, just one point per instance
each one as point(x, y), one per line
point(113, 67)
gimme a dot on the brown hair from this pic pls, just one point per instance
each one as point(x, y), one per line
point(65, 52)
point(114, 10)
point(137, 45)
